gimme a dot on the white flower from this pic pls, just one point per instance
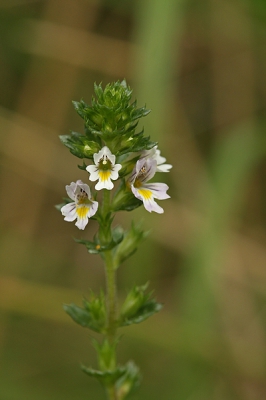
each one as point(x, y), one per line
point(104, 169)
point(155, 154)
point(83, 207)
point(147, 192)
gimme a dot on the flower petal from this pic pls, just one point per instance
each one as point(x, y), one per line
point(158, 157)
point(105, 151)
point(70, 189)
point(164, 168)
point(155, 154)
point(84, 187)
point(93, 208)
point(146, 195)
point(82, 216)
point(158, 190)
point(104, 184)
point(93, 170)
point(69, 212)
point(114, 173)
point(144, 170)
point(148, 166)
point(151, 205)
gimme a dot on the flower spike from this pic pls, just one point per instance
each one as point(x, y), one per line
point(82, 207)
point(104, 169)
point(147, 192)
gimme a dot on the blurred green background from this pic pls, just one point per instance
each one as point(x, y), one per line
point(200, 66)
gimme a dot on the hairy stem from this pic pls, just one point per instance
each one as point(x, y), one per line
point(111, 289)
point(111, 295)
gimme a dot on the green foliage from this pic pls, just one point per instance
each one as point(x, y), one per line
point(124, 200)
point(129, 381)
point(107, 378)
point(124, 378)
point(129, 244)
point(110, 118)
point(92, 315)
point(79, 145)
point(106, 352)
point(95, 246)
point(138, 306)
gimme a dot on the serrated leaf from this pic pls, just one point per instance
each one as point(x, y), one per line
point(95, 247)
point(105, 377)
point(92, 247)
point(92, 315)
point(82, 317)
point(123, 378)
point(147, 310)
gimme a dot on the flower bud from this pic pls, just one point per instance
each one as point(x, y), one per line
point(134, 301)
point(129, 381)
point(90, 148)
point(129, 244)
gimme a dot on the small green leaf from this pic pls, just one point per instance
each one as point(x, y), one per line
point(129, 244)
point(106, 352)
point(79, 315)
point(124, 378)
point(92, 247)
point(129, 381)
point(80, 145)
point(147, 310)
point(92, 315)
point(106, 378)
point(124, 200)
point(96, 247)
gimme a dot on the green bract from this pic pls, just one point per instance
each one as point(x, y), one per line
point(92, 315)
point(96, 247)
point(129, 244)
point(110, 118)
point(124, 378)
point(80, 145)
point(138, 306)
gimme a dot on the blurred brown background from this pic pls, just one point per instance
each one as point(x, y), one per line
point(200, 67)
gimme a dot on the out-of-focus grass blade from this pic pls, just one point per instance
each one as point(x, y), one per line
point(233, 160)
point(158, 27)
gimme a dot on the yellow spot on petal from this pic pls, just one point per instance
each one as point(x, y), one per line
point(145, 193)
point(104, 175)
point(82, 212)
point(97, 247)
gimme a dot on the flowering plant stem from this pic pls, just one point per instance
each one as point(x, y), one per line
point(111, 289)
point(110, 272)
point(111, 296)
point(117, 153)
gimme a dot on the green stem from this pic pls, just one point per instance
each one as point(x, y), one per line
point(111, 295)
point(111, 290)
point(110, 272)
point(111, 392)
